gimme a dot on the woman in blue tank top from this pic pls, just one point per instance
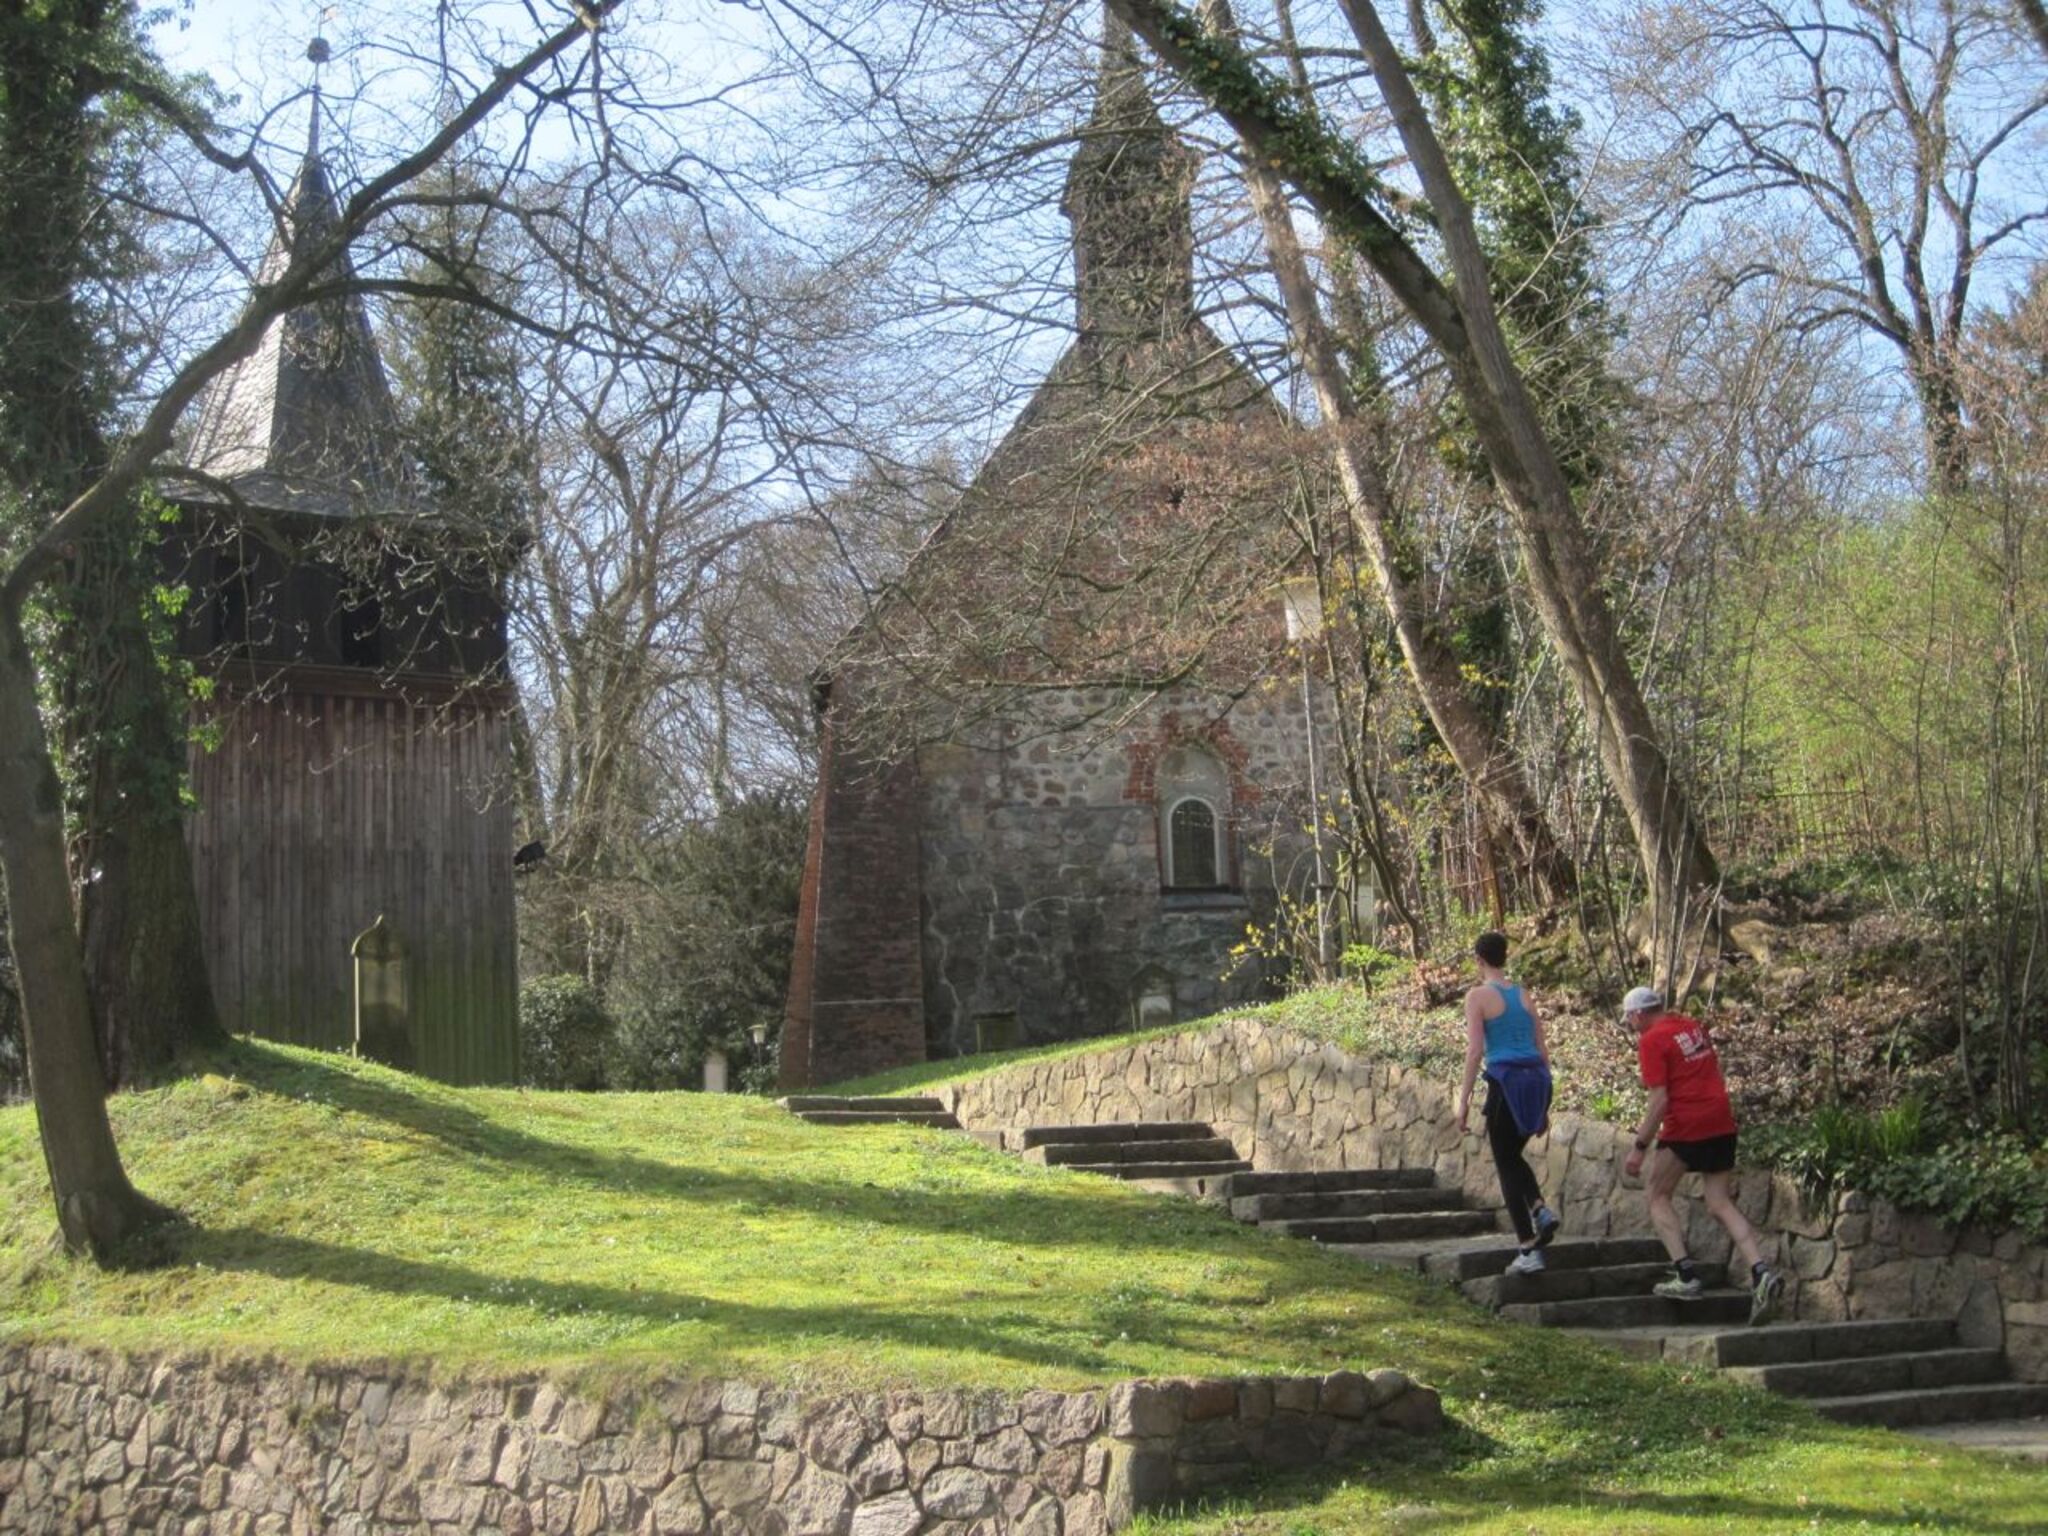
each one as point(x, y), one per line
point(1504, 1034)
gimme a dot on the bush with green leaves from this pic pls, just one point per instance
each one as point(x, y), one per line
point(714, 964)
point(565, 1034)
point(1367, 964)
point(1907, 1155)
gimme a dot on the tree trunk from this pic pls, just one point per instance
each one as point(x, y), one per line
point(138, 908)
point(122, 725)
point(1512, 813)
point(1565, 577)
point(1460, 320)
point(98, 1210)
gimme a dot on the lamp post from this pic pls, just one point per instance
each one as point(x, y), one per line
point(759, 1030)
point(1303, 604)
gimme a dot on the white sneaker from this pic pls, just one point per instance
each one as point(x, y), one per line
point(1528, 1262)
point(1764, 1299)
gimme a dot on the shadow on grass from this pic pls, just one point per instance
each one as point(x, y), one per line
point(1019, 1215)
point(736, 1325)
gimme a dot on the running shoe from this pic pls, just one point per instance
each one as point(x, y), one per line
point(1764, 1299)
point(1546, 1225)
point(1677, 1289)
point(1528, 1262)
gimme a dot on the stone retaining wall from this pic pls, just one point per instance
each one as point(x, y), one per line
point(1291, 1102)
point(97, 1443)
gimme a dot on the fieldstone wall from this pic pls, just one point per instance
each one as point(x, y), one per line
point(1044, 916)
point(1290, 1102)
point(90, 1442)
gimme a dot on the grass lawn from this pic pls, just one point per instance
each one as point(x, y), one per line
point(341, 1211)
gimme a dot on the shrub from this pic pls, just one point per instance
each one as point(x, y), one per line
point(1961, 1174)
point(1367, 964)
point(564, 1033)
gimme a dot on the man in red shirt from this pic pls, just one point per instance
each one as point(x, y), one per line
point(1689, 1105)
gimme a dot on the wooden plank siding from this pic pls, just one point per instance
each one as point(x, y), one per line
point(318, 811)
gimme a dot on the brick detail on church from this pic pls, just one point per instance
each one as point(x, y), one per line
point(856, 996)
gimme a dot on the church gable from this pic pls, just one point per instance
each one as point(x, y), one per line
point(1065, 700)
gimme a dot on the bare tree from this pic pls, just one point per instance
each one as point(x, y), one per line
point(1880, 156)
point(1512, 811)
point(1458, 315)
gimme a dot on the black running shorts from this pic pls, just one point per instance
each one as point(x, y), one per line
point(1714, 1155)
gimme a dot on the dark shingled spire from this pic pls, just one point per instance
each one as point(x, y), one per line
point(1127, 197)
point(308, 415)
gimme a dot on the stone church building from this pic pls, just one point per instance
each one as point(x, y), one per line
point(1083, 855)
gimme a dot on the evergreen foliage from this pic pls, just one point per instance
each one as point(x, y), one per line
point(1511, 148)
point(717, 964)
point(455, 365)
point(564, 1034)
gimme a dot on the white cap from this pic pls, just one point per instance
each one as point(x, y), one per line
point(1642, 999)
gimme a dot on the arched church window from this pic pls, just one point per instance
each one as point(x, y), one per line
point(1194, 821)
point(1192, 860)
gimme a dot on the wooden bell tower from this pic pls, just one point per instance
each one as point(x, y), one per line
point(355, 760)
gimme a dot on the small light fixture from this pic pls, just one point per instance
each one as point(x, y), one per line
point(759, 1031)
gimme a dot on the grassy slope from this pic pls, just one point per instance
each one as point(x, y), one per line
point(343, 1211)
point(922, 1075)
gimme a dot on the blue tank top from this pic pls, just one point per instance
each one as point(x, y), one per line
point(1512, 1036)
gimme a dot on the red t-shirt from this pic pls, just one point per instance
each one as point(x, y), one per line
point(1676, 1054)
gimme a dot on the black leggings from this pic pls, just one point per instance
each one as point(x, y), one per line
point(1517, 1181)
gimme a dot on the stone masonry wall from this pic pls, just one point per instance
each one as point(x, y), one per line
point(1291, 1102)
point(91, 1443)
point(1043, 910)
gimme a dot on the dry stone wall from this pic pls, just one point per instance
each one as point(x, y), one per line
point(90, 1442)
point(1290, 1102)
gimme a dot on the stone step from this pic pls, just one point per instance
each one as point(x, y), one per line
point(938, 1119)
point(1632, 1311)
point(1142, 1172)
point(1199, 1186)
point(1418, 1253)
point(1473, 1263)
point(1143, 1130)
point(2009, 1437)
point(1385, 1229)
point(1652, 1343)
point(1206, 1149)
point(1797, 1343)
point(1568, 1284)
point(1354, 1202)
point(1861, 1377)
point(1330, 1180)
point(1937, 1405)
point(801, 1102)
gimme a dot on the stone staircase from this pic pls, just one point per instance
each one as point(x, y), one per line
point(1899, 1372)
point(821, 1110)
point(1904, 1374)
point(1357, 1208)
point(1183, 1157)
